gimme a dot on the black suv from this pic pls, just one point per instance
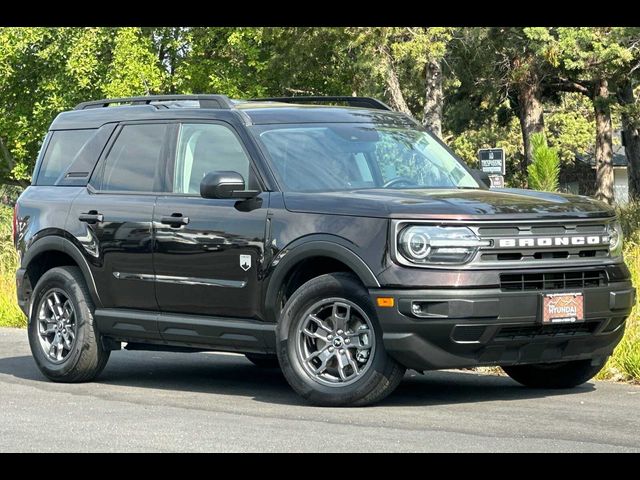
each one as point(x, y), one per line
point(342, 243)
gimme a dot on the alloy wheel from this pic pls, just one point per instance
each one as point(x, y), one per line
point(56, 325)
point(336, 342)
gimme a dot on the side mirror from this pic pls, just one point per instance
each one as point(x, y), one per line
point(481, 177)
point(224, 184)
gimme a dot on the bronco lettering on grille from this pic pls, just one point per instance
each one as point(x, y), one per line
point(565, 241)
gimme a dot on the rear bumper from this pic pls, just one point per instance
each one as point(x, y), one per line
point(473, 327)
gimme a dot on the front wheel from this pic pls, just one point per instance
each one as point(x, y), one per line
point(330, 344)
point(555, 375)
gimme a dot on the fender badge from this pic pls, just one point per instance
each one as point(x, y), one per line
point(245, 262)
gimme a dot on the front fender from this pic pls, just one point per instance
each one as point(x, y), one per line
point(330, 246)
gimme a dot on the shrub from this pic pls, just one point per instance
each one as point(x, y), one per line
point(624, 364)
point(10, 313)
point(544, 170)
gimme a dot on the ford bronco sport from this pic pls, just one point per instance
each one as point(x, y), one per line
point(343, 244)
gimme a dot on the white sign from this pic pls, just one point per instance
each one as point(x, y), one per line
point(497, 181)
point(492, 160)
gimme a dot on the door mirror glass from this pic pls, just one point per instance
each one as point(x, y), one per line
point(224, 184)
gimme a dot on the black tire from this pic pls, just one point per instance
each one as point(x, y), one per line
point(379, 380)
point(555, 375)
point(263, 360)
point(87, 356)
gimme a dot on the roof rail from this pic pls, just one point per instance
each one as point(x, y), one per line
point(206, 101)
point(364, 102)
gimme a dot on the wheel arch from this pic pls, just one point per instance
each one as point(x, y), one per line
point(327, 253)
point(54, 251)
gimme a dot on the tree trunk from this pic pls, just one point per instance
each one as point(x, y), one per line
point(631, 140)
point(604, 145)
point(433, 97)
point(531, 118)
point(393, 84)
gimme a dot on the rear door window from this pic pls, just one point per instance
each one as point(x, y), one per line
point(136, 160)
point(63, 147)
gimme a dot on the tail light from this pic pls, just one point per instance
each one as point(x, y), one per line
point(15, 224)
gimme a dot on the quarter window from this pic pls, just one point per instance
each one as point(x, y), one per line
point(61, 152)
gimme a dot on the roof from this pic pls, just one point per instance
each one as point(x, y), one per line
point(249, 112)
point(619, 156)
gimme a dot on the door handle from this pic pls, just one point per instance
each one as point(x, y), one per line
point(91, 217)
point(175, 220)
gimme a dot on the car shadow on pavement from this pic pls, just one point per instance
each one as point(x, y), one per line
point(234, 375)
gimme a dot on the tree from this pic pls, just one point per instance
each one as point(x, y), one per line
point(520, 57)
point(630, 109)
point(410, 62)
point(44, 71)
point(591, 61)
point(545, 167)
point(630, 119)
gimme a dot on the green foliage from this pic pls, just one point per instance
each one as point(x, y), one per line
point(10, 313)
point(134, 68)
point(44, 71)
point(595, 51)
point(544, 171)
point(624, 364)
point(47, 70)
point(492, 134)
point(570, 126)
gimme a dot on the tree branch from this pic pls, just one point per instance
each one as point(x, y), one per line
point(566, 85)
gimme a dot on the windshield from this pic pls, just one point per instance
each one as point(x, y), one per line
point(348, 156)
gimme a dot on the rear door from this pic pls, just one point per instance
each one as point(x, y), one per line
point(111, 218)
point(209, 261)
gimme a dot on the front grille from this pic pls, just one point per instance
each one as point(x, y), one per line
point(542, 244)
point(543, 331)
point(517, 245)
point(520, 282)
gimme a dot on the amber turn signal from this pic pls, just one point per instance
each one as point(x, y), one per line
point(386, 302)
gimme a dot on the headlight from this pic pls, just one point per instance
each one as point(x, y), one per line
point(425, 245)
point(614, 230)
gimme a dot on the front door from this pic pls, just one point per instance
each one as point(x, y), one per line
point(208, 253)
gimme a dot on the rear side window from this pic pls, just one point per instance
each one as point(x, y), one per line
point(61, 152)
point(135, 163)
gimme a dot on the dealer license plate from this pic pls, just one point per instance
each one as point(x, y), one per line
point(562, 308)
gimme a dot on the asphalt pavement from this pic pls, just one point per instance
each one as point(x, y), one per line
point(205, 402)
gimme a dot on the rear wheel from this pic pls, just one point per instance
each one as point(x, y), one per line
point(62, 335)
point(330, 344)
point(555, 375)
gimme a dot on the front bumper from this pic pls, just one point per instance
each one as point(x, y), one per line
point(455, 328)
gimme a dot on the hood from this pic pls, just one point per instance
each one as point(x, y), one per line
point(476, 204)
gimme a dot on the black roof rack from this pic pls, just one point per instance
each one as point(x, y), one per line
point(206, 101)
point(364, 102)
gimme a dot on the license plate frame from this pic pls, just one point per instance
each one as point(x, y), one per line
point(561, 307)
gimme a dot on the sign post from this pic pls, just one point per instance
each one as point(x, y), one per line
point(492, 162)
